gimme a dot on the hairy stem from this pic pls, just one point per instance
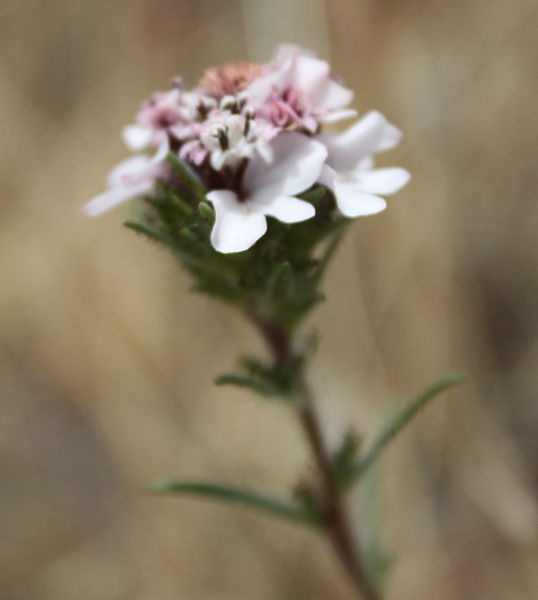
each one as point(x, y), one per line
point(336, 523)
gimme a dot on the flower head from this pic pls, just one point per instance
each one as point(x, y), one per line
point(252, 135)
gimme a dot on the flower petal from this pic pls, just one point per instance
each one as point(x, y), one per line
point(372, 134)
point(352, 202)
point(296, 166)
point(334, 96)
point(338, 115)
point(126, 169)
point(162, 150)
point(273, 80)
point(381, 181)
point(327, 177)
point(311, 76)
point(111, 198)
point(136, 137)
point(286, 51)
point(237, 227)
point(289, 209)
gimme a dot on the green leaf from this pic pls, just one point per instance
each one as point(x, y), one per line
point(278, 281)
point(377, 562)
point(328, 253)
point(226, 494)
point(261, 387)
point(399, 420)
point(187, 176)
point(150, 233)
point(344, 460)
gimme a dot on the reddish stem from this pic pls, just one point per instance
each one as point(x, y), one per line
point(337, 525)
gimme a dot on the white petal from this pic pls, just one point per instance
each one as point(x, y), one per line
point(328, 176)
point(311, 76)
point(381, 181)
point(295, 167)
point(354, 203)
point(285, 51)
point(113, 197)
point(372, 134)
point(136, 137)
point(127, 168)
point(339, 115)
point(237, 226)
point(162, 150)
point(290, 210)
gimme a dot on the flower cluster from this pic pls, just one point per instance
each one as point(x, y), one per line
point(253, 135)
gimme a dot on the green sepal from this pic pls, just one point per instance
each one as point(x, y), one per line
point(207, 212)
point(187, 175)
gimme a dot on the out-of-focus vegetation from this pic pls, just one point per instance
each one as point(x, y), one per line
point(106, 358)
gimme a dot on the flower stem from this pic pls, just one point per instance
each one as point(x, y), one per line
point(337, 525)
point(336, 522)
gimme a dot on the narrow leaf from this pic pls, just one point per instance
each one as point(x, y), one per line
point(400, 420)
point(377, 562)
point(277, 284)
point(187, 175)
point(260, 387)
point(222, 493)
point(143, 229)
point(328, 253)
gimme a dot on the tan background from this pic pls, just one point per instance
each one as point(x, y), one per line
point(106, 358)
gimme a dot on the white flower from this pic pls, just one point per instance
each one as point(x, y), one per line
point(267, 190)
point(132, 177)
point(230, 138)
point(349, 174)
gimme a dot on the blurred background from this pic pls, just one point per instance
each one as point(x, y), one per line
point(106, 357)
